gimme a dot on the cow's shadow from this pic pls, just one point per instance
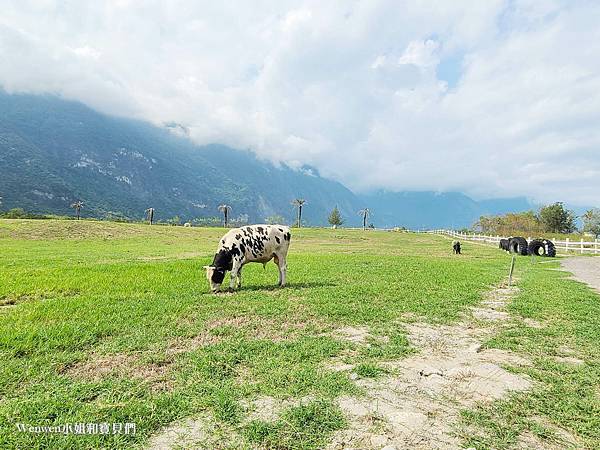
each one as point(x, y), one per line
point(288, 286)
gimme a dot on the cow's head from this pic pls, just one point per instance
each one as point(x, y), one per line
point(215, 276)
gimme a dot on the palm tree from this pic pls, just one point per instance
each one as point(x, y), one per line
point(365, 213)
point(77, 207)
point(150, 215)
point(299, 203)
point(225, 209)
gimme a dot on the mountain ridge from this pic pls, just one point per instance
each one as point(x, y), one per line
point(54, 152)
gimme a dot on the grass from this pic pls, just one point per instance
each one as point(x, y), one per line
point(303, 426)
point(567, 397)
point(112, 322)
point(368, 370)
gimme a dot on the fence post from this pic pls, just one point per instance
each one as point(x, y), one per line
point(510, 272)
point(581, 245)
point(567, 245)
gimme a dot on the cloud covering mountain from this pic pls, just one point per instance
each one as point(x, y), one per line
point(54, 152)
point(494, 98)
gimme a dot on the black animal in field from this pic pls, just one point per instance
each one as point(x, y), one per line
point(456, 247)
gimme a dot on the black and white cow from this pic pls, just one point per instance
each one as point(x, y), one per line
point(253, 243)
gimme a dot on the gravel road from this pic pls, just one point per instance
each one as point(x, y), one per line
point(586, 269)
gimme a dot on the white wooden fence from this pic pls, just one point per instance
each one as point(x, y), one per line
point(565, 246)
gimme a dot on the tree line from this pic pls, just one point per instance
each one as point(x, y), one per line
point(553, 218)
point(335, 218)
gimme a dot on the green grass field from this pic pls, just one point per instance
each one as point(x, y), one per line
point(113, 323)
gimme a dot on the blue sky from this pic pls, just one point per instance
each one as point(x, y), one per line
point(450, 69)
point(492, 98)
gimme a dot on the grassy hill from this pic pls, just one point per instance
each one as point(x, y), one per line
point(113, 323)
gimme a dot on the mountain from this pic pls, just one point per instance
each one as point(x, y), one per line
point(427, 209)
point(54, 152)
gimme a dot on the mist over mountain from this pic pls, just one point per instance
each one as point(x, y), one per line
point(53, 152)
point(417, 210)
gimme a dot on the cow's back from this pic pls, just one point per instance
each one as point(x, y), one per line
point(281, 236)
point(257, 242)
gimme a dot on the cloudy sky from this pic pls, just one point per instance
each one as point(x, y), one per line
point(493, 98)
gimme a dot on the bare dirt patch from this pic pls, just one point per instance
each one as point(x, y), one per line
point(12, 300)
point(183, 434)
point(201, 432)
point(567, 355)
point(7, 302)
point(97, 367)
point(418, 405)
point(356, 335)
point(532, 323)
point(266, 328)
point(269, 409)
point(189, 344)
point(205, 432)
point(489, 314)
point(569, 360)
point(261, 328)
point(215, 330)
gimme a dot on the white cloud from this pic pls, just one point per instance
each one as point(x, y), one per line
point(349, 87)
point(422, 54)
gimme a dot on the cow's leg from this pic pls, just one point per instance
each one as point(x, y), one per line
point(237, 266)
point(276, 261)
point(239, 277)
point(280, 261)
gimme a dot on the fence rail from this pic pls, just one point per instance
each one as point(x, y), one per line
point(565, 246)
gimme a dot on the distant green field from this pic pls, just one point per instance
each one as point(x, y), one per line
point(113, 323)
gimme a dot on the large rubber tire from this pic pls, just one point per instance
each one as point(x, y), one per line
point(536, 247)
point(550, 248)
point(542, 247)
point(504, 244)
point(518, 245)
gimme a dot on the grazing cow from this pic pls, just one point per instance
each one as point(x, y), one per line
point(187, 224)
point(253, 243)
point(456, 247)
point(504, 244)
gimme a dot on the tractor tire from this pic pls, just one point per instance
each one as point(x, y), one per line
point(518, 245)
point(542, 247)
point(550, 248)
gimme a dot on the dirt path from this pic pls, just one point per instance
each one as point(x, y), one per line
point(418, 404)
point(585, 269)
